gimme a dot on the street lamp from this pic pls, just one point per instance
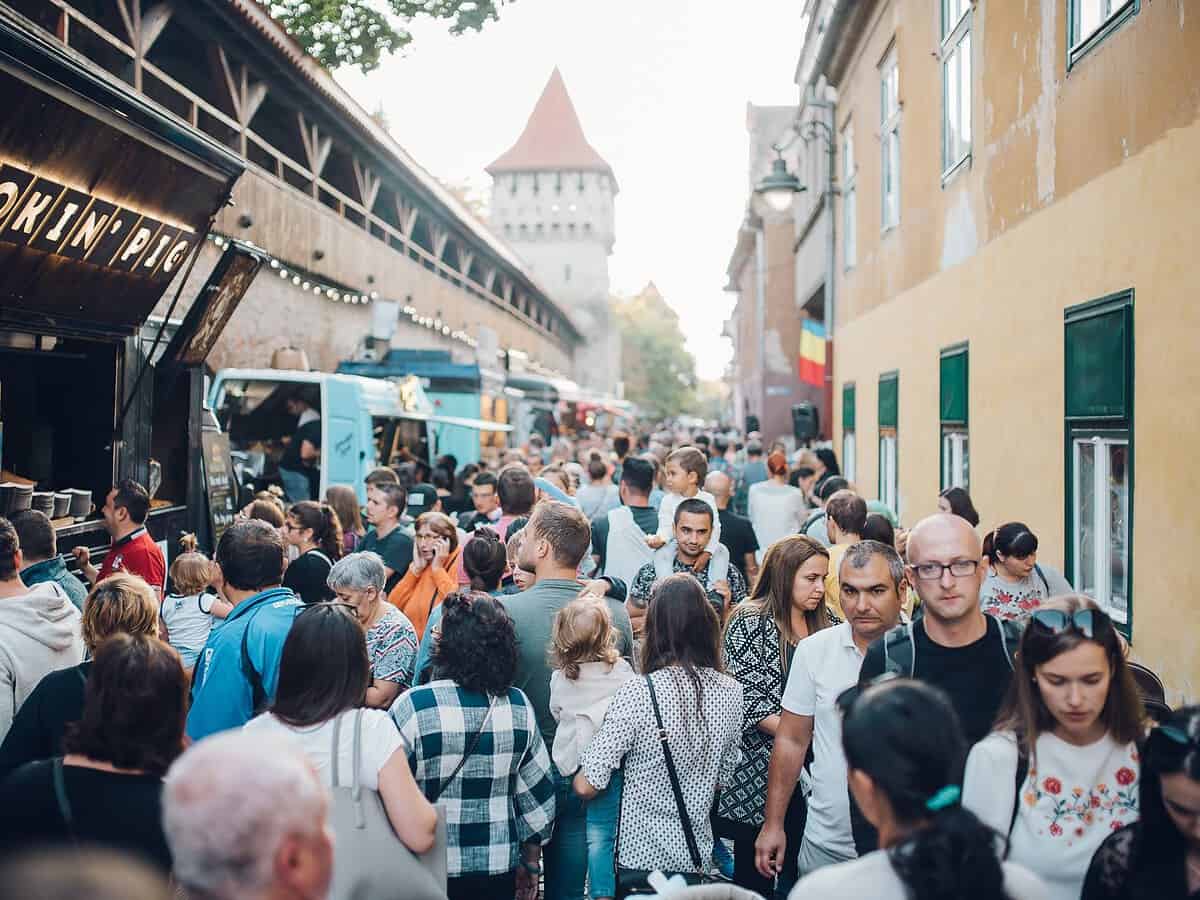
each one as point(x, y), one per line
point(779, 186)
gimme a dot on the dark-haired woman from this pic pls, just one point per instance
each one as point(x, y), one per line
point(957, 502)
point(474, 745)
point(786, 606)
point(1060, 772)
point(107, 788)
point(701, 709)
point(313, 529)
point(484, 560)
point(904, 749)
point(323, 677)
point(1016, 584)
point(1159, 855)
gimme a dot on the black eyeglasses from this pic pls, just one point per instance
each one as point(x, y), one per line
point(326, 604)
point(960, 568)
point(1091, 623)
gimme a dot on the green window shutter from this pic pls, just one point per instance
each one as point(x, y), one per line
point(889, 400)
point(848, 399)
point(1099, 359)
point(954, 386)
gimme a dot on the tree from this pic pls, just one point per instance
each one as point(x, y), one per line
point(659, 374)
point(359, 33)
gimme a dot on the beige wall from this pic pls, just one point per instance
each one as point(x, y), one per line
point(1135, 226)
point(1081, 184)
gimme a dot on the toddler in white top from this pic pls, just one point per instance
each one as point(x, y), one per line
point(686, 470)
point(186, 615)
point(588, 671)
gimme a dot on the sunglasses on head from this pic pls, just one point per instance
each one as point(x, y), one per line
point(1091, 623)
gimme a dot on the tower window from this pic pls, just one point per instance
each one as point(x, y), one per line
point(571, 230)
point(558, 183)
point(508, 228)
point(535, 182)
point(566, 273)
point(587, 228)
point(523, 230)
point(540, 230)
point(556, 230)
point(581, 182)
point(516, 180)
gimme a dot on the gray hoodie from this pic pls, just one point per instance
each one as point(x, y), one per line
point(39, 633)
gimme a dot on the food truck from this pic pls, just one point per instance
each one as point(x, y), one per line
point(105, 200)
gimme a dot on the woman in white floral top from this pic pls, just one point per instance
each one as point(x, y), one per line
point(1016, 583)
point(1060, 772)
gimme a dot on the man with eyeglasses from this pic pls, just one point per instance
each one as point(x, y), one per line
point(952, 645)
point(826, 663)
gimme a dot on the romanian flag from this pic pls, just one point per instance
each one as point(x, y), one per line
point(812, 354)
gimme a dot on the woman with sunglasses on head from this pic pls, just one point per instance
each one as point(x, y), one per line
point(1016, 583)
point(1059, 773)
point(904, 749)
point(1159, 855)
point(324, 673)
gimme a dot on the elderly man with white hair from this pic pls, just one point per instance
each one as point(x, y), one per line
point(245, 817)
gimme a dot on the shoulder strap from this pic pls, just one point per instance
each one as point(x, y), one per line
point(334, 750)
point(684, 819)
point(258, 693)
point(1018, 783)
point(900, 650)
point(812, 520)
point(466, 754)
point(1010, 631)
point(64, 803)
point(1042, 575)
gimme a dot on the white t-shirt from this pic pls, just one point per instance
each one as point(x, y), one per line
point(1071, 801)
point(825, 664)
point(188, 620)
point(776, 510)
point(380, 739)
point(872, 877)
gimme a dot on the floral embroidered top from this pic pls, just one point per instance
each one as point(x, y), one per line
point(1016, 599)
point(1071, 800)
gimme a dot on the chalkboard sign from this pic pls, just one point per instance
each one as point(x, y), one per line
point(218, 482)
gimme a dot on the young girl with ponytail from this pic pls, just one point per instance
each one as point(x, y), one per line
point(904, 751)
point(1060, 772)
point(314, 530)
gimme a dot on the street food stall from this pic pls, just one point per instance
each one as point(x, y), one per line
point(104, 202)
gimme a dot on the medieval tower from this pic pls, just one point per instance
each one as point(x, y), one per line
point(552, 200)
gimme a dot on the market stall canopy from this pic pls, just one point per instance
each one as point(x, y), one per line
point(103, 196)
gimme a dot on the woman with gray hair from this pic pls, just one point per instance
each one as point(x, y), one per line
point(246, 819)
point(358, 580)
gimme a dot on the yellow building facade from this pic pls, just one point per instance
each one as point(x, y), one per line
point(1019, 240)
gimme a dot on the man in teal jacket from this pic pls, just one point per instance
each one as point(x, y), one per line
point(238, 669)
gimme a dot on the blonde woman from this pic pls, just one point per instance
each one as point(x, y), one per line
point(786, 605)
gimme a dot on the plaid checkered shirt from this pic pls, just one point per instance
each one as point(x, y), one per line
point(504, 795)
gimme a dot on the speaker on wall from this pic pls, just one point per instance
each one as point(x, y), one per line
point(806, 422)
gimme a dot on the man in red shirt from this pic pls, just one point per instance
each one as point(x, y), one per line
point(132, 549)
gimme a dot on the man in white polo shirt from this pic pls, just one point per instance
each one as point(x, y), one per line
point(825, 664)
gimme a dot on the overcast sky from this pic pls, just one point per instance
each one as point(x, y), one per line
point(661, 88)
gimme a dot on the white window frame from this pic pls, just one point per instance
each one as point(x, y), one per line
point(889, 140)
point(957, 78)
point(1101, 525)
point(849, 457)
point(849, 199)
point(955, 458)
point(1111, 12)
point(889, 484)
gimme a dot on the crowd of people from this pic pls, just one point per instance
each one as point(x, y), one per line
point(671, 653)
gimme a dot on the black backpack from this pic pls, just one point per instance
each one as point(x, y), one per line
point(899, 650)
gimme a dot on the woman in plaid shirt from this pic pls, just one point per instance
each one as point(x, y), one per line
point(474, 747)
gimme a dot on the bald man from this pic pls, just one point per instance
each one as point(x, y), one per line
point(737, 533)
point(953, 645)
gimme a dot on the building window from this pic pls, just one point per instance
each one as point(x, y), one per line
point(566, 273)
point(849, 456)
point(1090, 21)
point(508, 229)
point(1099, 427)
point(889, 137)
point(953, 404)
point(956, 83)
point(849, 199)
point(556, 230)
point(523, 229)
point(889, 418)
point(536, 186)
point(516, 179)
point(587, 228)
point(540, 229)
point(558, 182)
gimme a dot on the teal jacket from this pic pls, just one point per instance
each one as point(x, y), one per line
point(222, 696)
point(55, 570)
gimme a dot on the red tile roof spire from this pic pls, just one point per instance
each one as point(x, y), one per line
point(553, 139)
